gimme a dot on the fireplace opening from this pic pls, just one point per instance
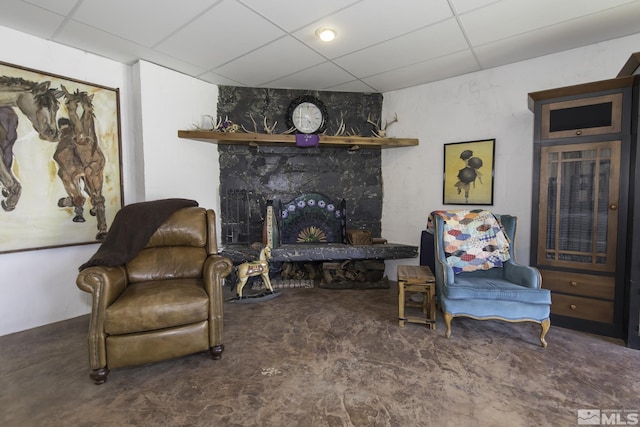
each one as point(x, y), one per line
point(346, 274)
point(310, 227)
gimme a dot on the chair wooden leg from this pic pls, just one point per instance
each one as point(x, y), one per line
point(99, 376)
point(447, 321)
point(545, 324)
point(401, 302)
point(216, 351)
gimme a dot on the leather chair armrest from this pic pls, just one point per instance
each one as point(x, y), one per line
point(216, 268)
point(105, 284)
point(524, 275)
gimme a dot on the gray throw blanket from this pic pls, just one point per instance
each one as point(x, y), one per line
point(132, 227)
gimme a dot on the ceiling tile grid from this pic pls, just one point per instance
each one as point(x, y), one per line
point(406, 50)
point(380, 45)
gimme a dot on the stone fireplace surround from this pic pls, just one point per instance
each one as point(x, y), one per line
point(250, 175)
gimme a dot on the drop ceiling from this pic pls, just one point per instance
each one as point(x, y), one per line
point(381, 45)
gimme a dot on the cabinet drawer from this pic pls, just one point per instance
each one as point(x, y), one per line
point(579, 284)
point(595, 115)
point(582, 308)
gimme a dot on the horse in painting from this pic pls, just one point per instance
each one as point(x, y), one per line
point(8, 136)
point(80, 160)
point(39, 103)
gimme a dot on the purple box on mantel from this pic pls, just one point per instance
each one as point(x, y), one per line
point(307, 140)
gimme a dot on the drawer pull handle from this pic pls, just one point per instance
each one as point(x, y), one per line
point(574, 283)
point(613, 207)
point(578, 132)
point(573, 306)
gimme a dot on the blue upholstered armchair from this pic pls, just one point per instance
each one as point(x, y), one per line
point(510, 292)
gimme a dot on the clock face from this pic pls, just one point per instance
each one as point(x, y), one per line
point(307, 114)
point(307, 117)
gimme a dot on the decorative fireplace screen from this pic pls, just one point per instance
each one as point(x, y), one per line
point(312, 218)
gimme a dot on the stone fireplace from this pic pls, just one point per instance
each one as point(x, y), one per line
point(253, 176)
point(250, 177)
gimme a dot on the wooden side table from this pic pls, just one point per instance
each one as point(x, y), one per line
point(417, 278)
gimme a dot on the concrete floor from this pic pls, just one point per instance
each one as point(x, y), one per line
point(318, 357)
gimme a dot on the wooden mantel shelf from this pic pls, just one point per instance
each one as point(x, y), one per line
point(242, 138)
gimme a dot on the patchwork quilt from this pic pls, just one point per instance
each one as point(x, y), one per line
point(473, 240)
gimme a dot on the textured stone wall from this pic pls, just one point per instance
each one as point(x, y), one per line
point(249, 176)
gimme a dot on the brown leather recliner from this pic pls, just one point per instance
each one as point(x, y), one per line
point(164, 303)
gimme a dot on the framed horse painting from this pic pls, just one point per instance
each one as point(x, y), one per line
point(61, 165)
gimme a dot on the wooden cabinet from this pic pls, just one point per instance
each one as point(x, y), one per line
point(579, 195)
point(583, 194)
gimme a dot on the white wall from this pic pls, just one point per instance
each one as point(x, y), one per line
point(175, 167)
point(482, 105)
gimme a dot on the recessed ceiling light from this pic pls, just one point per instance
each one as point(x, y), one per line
point(326, 34)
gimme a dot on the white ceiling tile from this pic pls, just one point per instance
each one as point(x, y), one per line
point(145, 22)
point(99, 42)
point(214, 39)
point(508, 18)
point(373, 21)
point(424, 72)
point(590, 29)
point(170, 62)
point(63, 7)
point(352, 86)
point(217, 79)
point(292, 15)
point(109, 46)
point(284, 56)
point(29, 19)
point(405, 50)
point(316, 78)
point(462, 6)
point(510, 50)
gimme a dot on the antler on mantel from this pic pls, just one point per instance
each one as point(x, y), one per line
point(268, 129)
point(381, 132)
point(341, 127)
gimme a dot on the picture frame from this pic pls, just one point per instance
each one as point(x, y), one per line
point(468, 175)
point(61, 166)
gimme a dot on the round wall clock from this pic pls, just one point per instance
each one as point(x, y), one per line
point(307, 114)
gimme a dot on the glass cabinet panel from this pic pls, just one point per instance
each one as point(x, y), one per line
point(578, 205)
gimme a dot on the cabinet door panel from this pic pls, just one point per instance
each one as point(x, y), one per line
point(578, 221)
point(596, 115)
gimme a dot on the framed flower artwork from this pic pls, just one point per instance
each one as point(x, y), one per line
point(469, 172)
